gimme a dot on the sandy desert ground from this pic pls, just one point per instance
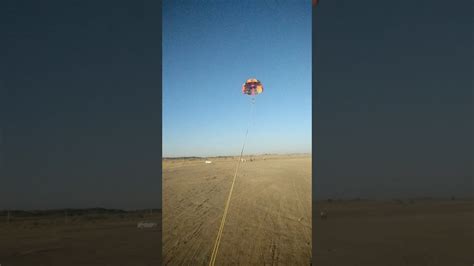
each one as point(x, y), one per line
point(89, 240)
point(408, 232)
point(269, 223)
point(269, 218)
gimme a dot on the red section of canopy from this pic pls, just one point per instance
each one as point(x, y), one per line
point(315, 2)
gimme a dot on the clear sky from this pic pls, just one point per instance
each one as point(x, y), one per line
point(209, 49)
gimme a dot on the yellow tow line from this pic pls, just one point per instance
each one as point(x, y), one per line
point(224, 216)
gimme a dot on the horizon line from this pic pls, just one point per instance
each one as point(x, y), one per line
point(237, 155)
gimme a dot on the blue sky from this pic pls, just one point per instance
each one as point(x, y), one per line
point(209, 49)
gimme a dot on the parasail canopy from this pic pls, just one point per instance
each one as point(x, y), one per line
point(252, 87)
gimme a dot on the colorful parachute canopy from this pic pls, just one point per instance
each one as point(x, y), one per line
point(252, 87)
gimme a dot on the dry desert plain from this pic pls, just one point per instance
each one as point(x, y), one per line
point(410, 232)
point(91, 238)
point(268, 221)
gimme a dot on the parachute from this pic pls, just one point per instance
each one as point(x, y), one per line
point(252, 87)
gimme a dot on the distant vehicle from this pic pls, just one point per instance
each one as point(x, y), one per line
point(323, 215)
point(142, 225)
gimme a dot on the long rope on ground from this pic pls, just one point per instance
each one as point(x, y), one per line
point(226, 208)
